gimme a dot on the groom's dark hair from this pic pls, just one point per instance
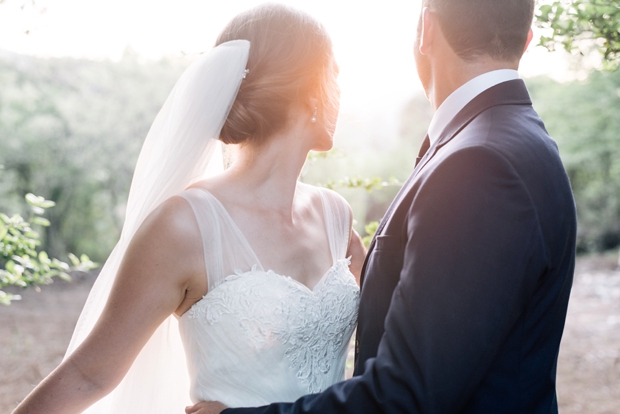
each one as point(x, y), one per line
point(496, 28)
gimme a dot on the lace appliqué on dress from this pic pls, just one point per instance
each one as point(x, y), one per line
point(317, 331)
point(311, 324)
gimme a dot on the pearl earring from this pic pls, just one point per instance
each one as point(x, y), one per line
point(313, 119)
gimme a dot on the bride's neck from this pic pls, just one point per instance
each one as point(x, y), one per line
point(268, 172)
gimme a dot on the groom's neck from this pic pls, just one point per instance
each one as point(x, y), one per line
point(447, 77)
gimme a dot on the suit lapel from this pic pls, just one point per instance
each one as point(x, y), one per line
point(507, 93)
point(511, 92)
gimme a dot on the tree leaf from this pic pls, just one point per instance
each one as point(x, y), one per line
point(64, 276)
point(74, 260)
point(37, 210)
point(34, 200)
point(44, 258)
point(3, 230)
point(41, 221)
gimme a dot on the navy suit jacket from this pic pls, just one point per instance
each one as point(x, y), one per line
point(466, 283)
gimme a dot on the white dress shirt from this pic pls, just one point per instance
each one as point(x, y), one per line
point(462, 96)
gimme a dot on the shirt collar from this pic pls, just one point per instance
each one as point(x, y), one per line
point(462, 96)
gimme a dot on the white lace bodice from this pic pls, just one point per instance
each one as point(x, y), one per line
point(259, 337)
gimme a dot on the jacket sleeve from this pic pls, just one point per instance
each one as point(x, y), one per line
point(471, 262)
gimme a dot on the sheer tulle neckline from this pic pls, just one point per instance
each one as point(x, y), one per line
point(258, 265)
point(303, 286)
point(255, 272)
point(259, 336)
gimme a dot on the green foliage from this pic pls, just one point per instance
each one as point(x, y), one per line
point(368, 184)
point(370, 229)
point(584, 119)
point(367, 158)
point(71, 130)
point(573, 23)
point(21, 264)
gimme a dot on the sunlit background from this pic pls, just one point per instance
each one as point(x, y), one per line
point(81, 81)
point(373, 41)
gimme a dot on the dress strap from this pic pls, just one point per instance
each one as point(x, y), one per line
point(210, 232)
point(225, 249)
point(337, 216)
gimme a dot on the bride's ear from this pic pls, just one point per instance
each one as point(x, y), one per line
point(312, 108)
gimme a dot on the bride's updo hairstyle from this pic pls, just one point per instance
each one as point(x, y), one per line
point(290, 60)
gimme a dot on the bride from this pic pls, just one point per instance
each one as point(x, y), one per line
point(234, 285)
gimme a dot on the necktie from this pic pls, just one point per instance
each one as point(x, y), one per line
point(423, 149)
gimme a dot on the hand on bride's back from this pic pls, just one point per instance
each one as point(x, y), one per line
point(206, 407)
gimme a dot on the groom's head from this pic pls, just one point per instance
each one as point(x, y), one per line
point(496, 28)
point(474, 30)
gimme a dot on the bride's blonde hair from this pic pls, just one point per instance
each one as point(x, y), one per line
point(290, 60)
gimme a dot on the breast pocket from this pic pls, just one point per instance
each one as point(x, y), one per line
point(388, 243)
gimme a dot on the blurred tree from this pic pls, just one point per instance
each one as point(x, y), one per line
point(71, 130)
point(584, 118)
point(582, 25)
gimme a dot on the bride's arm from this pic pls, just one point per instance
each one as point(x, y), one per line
point(356, 250)
point(162, 272)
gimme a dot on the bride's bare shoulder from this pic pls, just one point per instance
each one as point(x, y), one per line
point(318, 193)
point(173, 221)
point(212, 184)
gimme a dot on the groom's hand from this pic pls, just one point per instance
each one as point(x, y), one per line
point(206, 407)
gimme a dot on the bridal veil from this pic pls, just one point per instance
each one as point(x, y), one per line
point(180, 149)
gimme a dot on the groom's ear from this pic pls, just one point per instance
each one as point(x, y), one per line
point(530, 35)
point(427, 31)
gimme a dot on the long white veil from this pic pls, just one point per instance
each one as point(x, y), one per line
point(180, 149)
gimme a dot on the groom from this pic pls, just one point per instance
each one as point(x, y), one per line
point(466, 284)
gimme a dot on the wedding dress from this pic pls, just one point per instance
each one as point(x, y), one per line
point(256, 337)
point(259, 337)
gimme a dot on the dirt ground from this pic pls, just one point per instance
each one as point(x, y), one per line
point(35, 331)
